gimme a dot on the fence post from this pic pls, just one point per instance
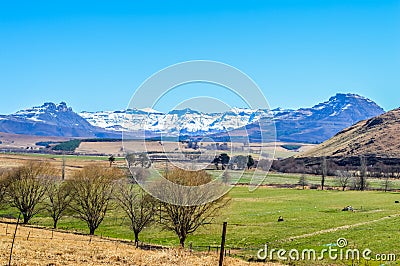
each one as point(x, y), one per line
point(12, 245)
point(221, 254)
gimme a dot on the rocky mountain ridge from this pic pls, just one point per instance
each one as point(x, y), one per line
point(315, 124)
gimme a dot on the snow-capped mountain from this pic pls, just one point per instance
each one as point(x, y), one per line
point(324, 120)
point(341, 107)
point(314, 124)
point(49, 120)
point(174, 122)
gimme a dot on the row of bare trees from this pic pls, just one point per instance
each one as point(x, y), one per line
point(354, 181)
point(93, 191)
point(371, 166)
point(353, 173)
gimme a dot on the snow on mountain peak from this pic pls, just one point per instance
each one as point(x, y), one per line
point(242, 111)
point(149, 110)
point(188, 120)
point(47, 107)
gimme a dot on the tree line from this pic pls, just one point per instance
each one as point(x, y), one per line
point(352, 172)
point(93, 191)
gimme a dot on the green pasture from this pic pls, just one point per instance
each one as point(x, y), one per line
point(252, 222)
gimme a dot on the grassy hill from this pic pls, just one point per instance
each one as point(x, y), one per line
point(377, 136)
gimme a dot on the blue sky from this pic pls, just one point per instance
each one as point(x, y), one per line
point(94, 54)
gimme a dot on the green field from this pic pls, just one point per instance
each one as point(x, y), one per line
point(252, 222)
point(279, 179)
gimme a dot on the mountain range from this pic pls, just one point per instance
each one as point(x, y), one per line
point(50, 120)
point(315, 124)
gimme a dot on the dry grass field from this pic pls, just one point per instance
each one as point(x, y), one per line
point(18, 141)
point(75, 162)
point(118, 148)
point(34, 246)
point(72, 163)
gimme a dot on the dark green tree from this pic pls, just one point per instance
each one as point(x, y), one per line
point(224, 160)
point(324, 170)
point(250, 162)
point(363, 173)
point(216, 161)
point(111, 159)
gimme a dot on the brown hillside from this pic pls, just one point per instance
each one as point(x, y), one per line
point(379, 136)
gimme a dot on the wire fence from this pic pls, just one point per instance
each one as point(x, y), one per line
point(31, 233)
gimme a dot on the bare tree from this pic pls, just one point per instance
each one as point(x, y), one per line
point(27, 187)
point(344, 177)
point(387, 183)
point(93, 188)
point(240, 161)
point(186, 219)
point(363, 174)
point(264, 164)
point(63, 168)
point(4, 182)
point(140, 174)
point(303, 181)
point(130, 158)
point(141, 159)
point(144, 160)
point(138, 205)
point(3, 185)
point(324, 170)
point(59, 198)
